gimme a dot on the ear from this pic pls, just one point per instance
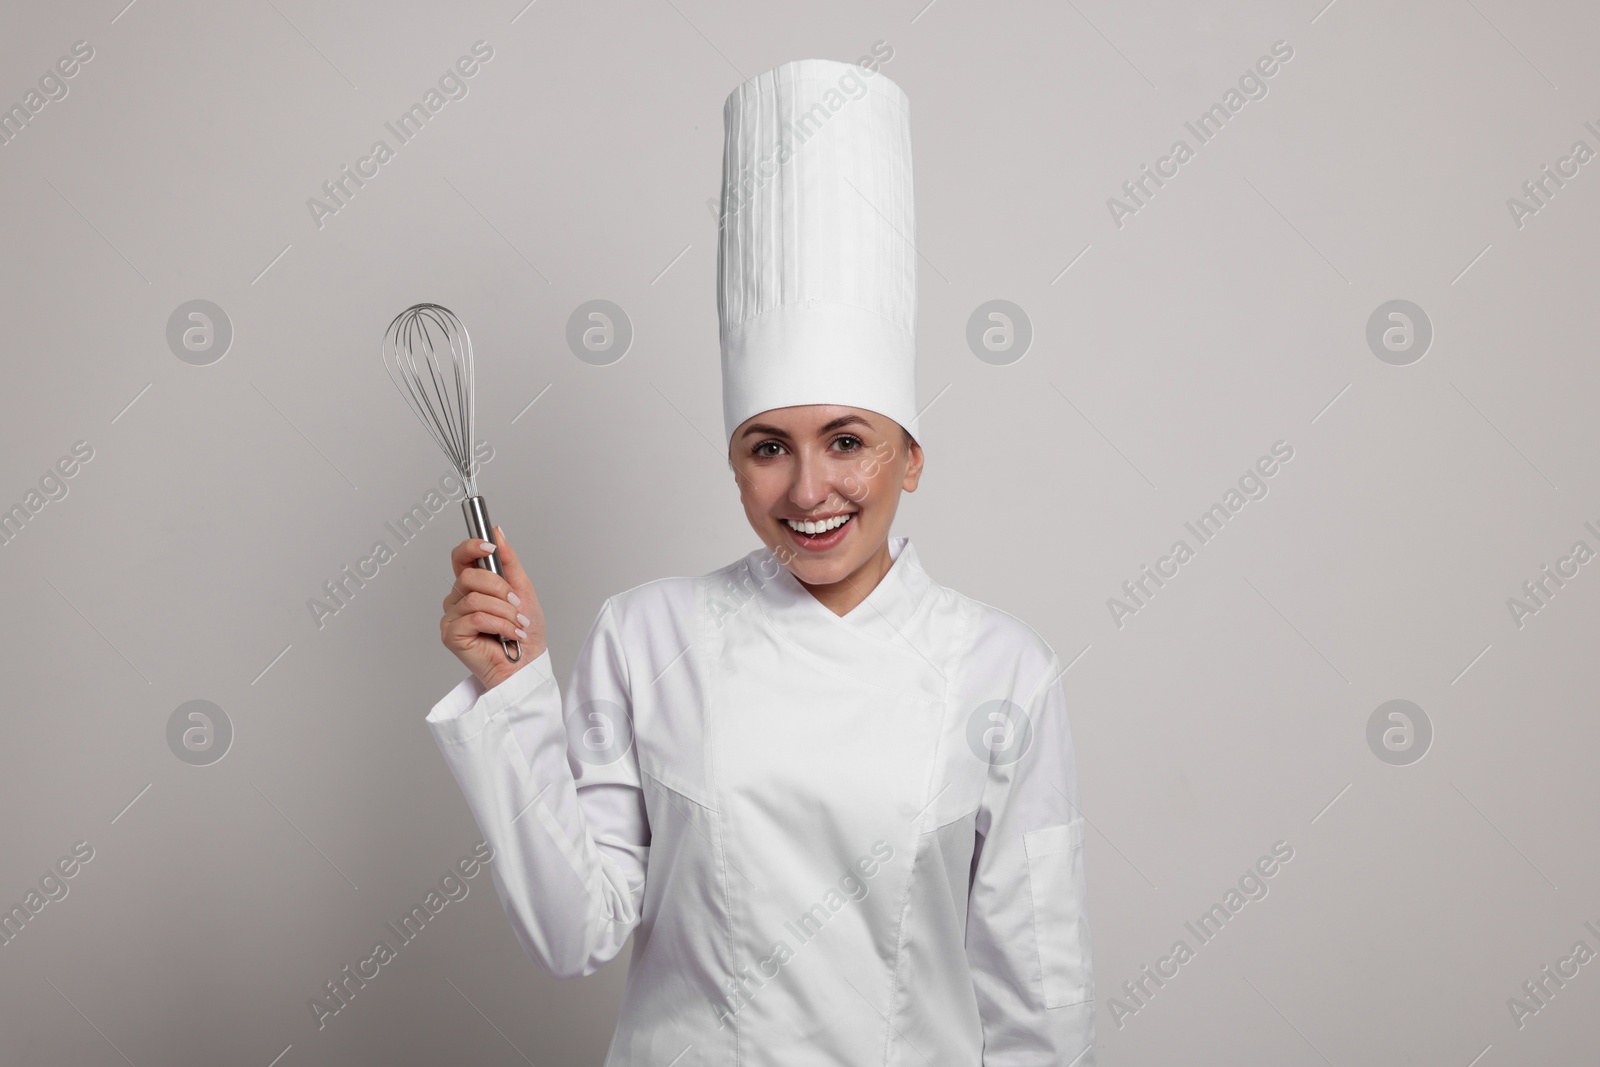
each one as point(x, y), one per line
point(913, 468)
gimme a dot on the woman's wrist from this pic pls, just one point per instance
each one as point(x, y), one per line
point(508, 669)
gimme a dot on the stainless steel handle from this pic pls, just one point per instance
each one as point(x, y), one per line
point(477, 513)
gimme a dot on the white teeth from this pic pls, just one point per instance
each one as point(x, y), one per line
point(819, 527)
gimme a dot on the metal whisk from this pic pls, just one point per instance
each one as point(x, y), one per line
point(428, 355)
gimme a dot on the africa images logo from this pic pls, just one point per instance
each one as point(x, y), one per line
point(1252, 85)
point(452, 85)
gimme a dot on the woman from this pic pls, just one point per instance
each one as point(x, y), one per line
point(833, 801)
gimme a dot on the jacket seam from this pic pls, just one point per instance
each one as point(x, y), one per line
point(933, 771)
point(714, 788)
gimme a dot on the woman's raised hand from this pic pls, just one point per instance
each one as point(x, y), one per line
point(483, 607)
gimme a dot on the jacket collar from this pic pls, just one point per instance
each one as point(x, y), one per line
point(884, 613)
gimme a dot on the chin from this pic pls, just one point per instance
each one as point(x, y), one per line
point(819, 572)
point(827, 568)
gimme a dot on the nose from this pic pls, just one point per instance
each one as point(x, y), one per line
point(813, 482)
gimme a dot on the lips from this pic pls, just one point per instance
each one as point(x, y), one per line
point(821, 541)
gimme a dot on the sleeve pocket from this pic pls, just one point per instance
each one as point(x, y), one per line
point(1060, 928)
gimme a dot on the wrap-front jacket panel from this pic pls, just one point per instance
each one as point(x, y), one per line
point(836, 840)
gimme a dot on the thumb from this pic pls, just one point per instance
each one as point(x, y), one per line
point(510, 565)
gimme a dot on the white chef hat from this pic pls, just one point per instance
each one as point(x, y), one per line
point(816, 271)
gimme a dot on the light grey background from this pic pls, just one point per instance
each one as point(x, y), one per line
point(1229, 313)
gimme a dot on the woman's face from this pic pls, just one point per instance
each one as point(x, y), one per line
point(816, 462)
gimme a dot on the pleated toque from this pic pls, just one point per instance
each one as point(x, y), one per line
point(816, 267)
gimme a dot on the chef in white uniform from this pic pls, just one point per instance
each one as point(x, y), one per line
point(833, 801)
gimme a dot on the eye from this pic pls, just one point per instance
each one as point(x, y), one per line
point(855, 442)
point(757, 451)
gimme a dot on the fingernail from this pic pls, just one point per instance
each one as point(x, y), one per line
point(523, 619)
point(487, 546)
point(521, 635)
point(516, 601)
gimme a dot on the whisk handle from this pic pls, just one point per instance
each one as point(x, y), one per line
point(477, 513)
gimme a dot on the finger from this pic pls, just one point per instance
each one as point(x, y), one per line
point(510, 564)
point(481, 622)
point(492, 605)
point(468, 553)
point(476, 580)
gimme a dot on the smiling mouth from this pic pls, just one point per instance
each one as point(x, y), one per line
point(817, 529)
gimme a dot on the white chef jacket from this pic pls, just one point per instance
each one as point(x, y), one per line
point(837, 840)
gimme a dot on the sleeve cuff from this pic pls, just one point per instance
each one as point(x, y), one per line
point(463, 712)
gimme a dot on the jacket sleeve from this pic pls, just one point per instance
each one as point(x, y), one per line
point(563, 811)
point(1028, 940)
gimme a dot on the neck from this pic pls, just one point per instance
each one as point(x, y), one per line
point(843, 596)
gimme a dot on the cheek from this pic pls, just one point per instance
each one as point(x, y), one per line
point(758, 489)
point(886, 478)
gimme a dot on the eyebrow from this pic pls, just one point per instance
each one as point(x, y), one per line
point(774, 431)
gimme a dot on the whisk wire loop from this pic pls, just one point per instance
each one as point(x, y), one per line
point(428, 354)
